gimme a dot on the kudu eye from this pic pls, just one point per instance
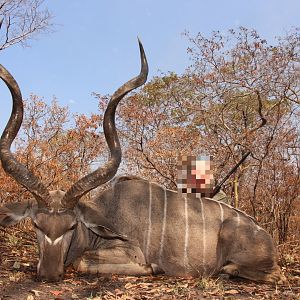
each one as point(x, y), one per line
point(73, 227)
point(36, 226)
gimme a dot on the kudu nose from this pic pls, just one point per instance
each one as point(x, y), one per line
point(51, 277)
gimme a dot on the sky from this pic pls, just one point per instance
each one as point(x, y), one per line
point(94, 46)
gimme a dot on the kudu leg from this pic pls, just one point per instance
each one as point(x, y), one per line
point(248, 252)
point(133, 269)
point(122, 260)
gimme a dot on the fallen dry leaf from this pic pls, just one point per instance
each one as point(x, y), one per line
point(232, 292)
point(118, 292)
point(35, 292)
point(128, 285)
point(56, 293)
point(16, 265)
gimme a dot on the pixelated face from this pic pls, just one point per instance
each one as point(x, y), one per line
point(195, 175)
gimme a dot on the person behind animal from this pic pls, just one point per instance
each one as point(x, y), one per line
point(195, 176)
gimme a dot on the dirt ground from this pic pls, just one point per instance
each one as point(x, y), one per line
point(18, 280)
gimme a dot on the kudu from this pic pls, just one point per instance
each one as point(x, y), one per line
point(136, 227)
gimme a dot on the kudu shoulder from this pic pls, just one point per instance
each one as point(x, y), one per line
point(94, 219)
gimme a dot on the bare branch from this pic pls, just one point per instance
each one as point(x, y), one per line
point(22, 21)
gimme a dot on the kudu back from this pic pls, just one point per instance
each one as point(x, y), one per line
point(135, 227)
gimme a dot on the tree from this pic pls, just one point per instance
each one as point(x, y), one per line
point(22, 20)
point(56, 150)
point(239, 94)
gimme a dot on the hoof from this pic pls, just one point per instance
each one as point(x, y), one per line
point(224, 276)
point(230, 269)
point(276, 277)
point(156, 270)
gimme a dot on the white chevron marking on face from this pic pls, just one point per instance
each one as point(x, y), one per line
point(55, 242)
point(163, 230)
point(48, 240)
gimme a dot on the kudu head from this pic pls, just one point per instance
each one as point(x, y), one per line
point(56, 215)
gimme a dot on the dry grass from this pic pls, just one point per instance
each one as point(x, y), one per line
point(18, 269)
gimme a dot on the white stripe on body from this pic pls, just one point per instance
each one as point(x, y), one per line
point(221, 212)
point(186, 237)
point(55, 242)
point(163, 230)
point(149, 222)
point(238, 219)
point(210, 199)
point(203, 236)
point(235, 209)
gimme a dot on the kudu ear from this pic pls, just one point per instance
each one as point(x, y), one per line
point(95, 221)
point(12, 213)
